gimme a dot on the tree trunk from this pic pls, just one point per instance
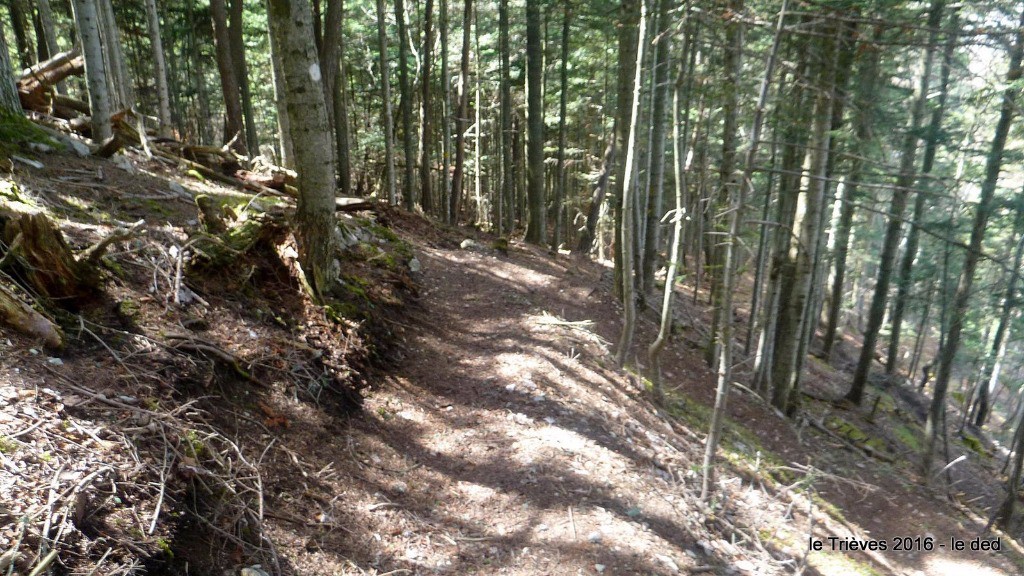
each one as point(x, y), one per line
point(446, 110)
point(241, 68)
point(656, 189)
point(228, 82)
point(426, 138)
point(505, 103)
point(905, 180)
point(563, 99)
point(10, 104)
point(385, 86)
point(627, 62)
point(535, 229)
point(986, 205)
point(166, 130)
point(118, 78)
point(87, 22)
point(283, 125)
point(49, 33)
point(626, 223)
point(291, 22)
point(19, 24)
point(802, 249)
point(461, 117)
point(990, 375)
point(405, 90)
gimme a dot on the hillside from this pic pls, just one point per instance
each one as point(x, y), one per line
point(461, 415)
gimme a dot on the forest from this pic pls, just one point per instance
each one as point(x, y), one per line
point(820, 202)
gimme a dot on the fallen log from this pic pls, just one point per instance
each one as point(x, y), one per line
point(23, 318)
point(34, 85)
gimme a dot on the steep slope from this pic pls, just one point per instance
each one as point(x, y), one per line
point(216, 427)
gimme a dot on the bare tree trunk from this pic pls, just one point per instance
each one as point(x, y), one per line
point(291, 21)
point(505, 103)
point(241, 67)
point(283, 125)
point(166, 130)
point(656, 178)
point(627, 61)
point(19, 24)
point(628, 205)
point(462, 117)
point(118, 78)
point(49, 34)
point(986, 205)
point(426, 138)
point(405, 91)
point(786, 369)
point(385, 85)
point(563, 99)
point(446, 111)
point(10, 104)
point(535, 229)
point(228, 82)
point(87, 22)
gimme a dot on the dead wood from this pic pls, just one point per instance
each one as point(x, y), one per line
point(34, 86)
point(46, 262)
point(17, 314)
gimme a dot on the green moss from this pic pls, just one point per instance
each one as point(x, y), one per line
point(908, 436)
point(15, 130)
point(974, 444)
point(7, 445)
point(128, 309)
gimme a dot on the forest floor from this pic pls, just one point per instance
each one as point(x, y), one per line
point(209, 433)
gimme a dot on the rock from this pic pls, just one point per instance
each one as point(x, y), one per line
point(600, 568)
point(55, 361)
point(668, 562)
point(469, 244)
point(255, 570)
point(594, 537)
point(414, 265)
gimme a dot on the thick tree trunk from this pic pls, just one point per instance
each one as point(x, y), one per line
point(535, 229)
point(905, 180)
point(291, 21)
point(986, 205)
point(87, 22)
point(802, 249)
point(10, 104)
point(49, 33)
point(233, 123)
point(626, 223)
point(122, 93)
point(385, 87)
point(446, 111)
point(166, 130)
point(627, 62)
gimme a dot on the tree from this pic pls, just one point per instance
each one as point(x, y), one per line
point(563, 103)
point(626, 223)
point(291, 23)
point(9, 102)
point(87, 22)
point(906, 178)
point(405, 92)
point(536, 232)
point(233, 127)
point(166, 130)
point(426, 138)
point(385, 87)
point(986, 204)
point(461, 116)
point(236, 39)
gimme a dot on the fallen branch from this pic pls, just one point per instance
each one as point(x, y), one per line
point(23, 318)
